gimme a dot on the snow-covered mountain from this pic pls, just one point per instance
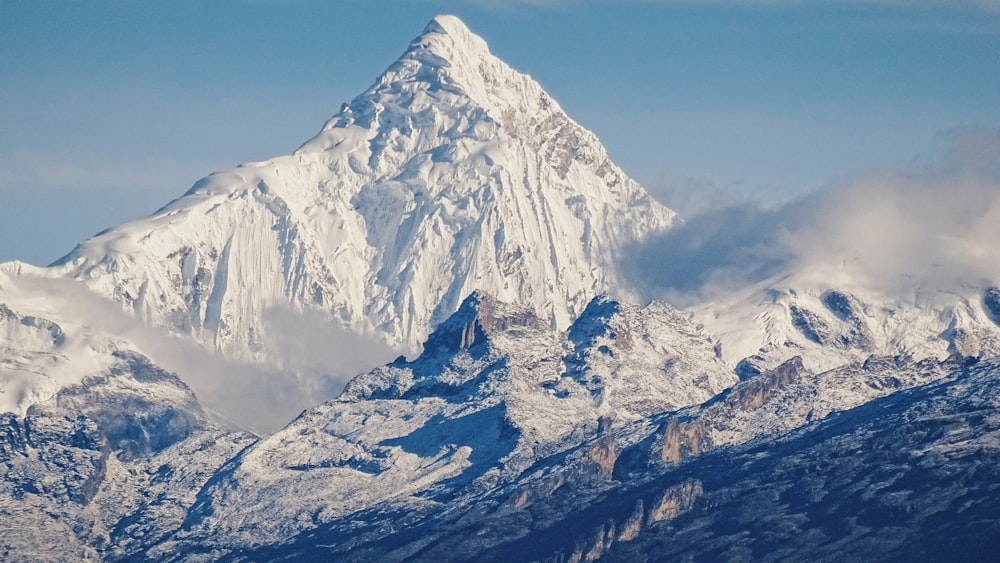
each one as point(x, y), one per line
point(504, 437)
point(831, 320)
point(452, 173)
point(495, 391)
point(91, 429)
point(454, 208)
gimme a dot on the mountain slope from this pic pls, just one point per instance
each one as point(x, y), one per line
point(452, 173)
point(495, 391)
point(92, 432)
point(908, 476)
point(875, 460)
point(830, 320)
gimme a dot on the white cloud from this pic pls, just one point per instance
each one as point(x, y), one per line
point(316, 358)
point(934, 222)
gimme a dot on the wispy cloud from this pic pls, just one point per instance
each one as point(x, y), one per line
point(933, 222)
point(316, 358)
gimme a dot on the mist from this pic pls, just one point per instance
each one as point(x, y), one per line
point(317, 358)
point(931, 223)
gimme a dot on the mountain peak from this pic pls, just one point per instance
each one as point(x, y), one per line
point(448, 24)
point(478, 319)
point(448, 37)
point(452, 173)
point(451, 63)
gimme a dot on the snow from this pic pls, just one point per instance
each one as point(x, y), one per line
point(796, 314)
point(454, 209)
point(452, 173)
point(42, 350)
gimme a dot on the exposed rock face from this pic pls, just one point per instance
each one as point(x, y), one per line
point(848, 310)
point(687, 437)
point(683, 440)
point(991, 302)
point(604, 451)
point(810, 325)
point(675, 501)
point(631, 528)
point(756, 393)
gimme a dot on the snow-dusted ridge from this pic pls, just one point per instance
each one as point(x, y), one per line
point(495, 391)
point(830, 322)
point(452, 173)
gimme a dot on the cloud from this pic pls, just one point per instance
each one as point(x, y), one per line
point(317, 358)
point(322, 355)
point(722, 248)
point(931, 223)
point(935, 221)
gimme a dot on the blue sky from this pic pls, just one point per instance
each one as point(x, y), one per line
point(109, 109)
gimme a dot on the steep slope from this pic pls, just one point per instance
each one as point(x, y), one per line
point(92, 432)
point(452, 173)
point(495, 391)
point(908, 476)
point(875, 460)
